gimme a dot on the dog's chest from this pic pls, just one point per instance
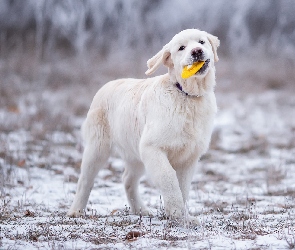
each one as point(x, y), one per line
point(189, 123)
point(192, 121)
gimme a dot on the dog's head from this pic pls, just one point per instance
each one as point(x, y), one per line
point(185, 48)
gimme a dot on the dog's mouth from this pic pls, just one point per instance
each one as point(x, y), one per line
point(203, 69)
point(198, 67)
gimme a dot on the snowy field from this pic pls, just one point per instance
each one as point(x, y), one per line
point(243, 191)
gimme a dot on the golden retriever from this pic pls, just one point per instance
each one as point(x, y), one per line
point(160, 126)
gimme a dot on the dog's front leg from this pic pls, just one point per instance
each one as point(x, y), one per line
point(185, 176)
point(164, 177)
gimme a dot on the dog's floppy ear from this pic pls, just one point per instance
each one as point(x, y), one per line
point(163, 56)
point(215, 44)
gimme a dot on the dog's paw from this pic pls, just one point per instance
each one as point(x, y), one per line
point(193, 221)
point(143, 211)
point(74, 214)
point(185, 221)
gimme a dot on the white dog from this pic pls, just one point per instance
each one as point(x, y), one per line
point(160, 125)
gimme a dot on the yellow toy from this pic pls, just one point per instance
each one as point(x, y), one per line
point(190, 70)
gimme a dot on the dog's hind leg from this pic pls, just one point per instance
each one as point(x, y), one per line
point(95, 156)
point(131, 177)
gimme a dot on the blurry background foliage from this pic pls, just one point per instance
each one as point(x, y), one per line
point(126, 30)
point(55, 43)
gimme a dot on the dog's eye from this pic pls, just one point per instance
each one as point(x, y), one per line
point(201, 41)
point(181, 48)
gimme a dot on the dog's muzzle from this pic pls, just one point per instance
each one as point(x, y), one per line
point(204, 67)
point(197, 54)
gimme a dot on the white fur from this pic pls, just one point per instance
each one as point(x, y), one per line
point(155, 127)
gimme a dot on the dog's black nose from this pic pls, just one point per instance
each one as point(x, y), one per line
point(197, 52)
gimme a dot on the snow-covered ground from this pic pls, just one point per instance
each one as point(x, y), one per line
point(243, 191)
